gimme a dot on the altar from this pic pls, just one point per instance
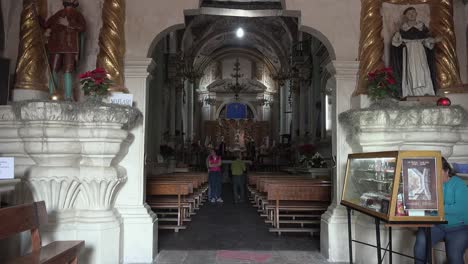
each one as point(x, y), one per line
point(237, 134)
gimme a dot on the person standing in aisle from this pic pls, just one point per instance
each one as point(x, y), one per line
point(214, 177)
point(238, 170)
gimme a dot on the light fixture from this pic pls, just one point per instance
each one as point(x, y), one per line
point(237, 87)
point(240, 32)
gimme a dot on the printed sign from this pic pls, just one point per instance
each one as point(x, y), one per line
point(420, 183)
point(7, 168)
point(121, 99)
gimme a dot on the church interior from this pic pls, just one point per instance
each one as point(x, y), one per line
point(231, 131)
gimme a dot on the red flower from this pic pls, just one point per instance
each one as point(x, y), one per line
point(85, 75)
point(390, 80)
point(371, 75)
point(99, 71)
point(98, 81)
point(387, 70)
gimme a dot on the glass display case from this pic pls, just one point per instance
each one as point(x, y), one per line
point(395, 186)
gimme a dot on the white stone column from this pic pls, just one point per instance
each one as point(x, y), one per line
point(303, 108)
point(139, 223)
point(333, 227)
point(190, 110)
point(172, 111)
point(179, 110)
point(76, 150)
point(259, 107)
point(283, 109)
point(267, 108)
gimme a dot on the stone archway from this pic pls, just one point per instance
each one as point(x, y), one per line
point(305, 28)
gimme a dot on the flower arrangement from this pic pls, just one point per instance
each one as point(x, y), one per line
point(316, 161)
point(382, 84)
point(307, 149)
point(95, 82)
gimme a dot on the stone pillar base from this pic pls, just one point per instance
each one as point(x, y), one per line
point(334, 234)
point(140, 227)
point(99, 229)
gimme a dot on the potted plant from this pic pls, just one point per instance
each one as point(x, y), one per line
point(95, 83)
point(381, 84)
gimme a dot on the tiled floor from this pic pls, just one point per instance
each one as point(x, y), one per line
point(228, 233)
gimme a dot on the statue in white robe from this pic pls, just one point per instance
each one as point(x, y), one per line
point(412, 57)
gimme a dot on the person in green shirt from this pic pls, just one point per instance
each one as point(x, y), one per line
point(238, 170)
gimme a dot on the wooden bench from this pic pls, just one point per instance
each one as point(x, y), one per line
point(30, 217)
point(294, 196)
point(179, 189)
point(200, 188)
point(176, 196)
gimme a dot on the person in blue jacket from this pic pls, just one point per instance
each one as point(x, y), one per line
point(455, 232)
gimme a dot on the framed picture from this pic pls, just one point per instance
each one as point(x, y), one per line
point(419, 183)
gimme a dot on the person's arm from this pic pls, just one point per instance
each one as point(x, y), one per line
point(460, 201)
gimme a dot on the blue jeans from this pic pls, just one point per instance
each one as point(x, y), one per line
point(215, 182)
point(238, 186)
point(456, 241)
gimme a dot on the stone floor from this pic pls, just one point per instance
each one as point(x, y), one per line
point(234, 233)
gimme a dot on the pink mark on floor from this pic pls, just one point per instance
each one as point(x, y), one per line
point(243, 255)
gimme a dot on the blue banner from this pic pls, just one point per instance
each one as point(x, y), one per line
point(236, 111)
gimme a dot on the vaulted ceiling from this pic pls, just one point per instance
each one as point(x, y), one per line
point(269, 38)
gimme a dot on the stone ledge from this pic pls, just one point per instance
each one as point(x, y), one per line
point(396, 116)
point(82, 112)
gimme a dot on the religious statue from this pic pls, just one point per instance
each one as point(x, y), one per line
point(64, 30)
point(412, 56)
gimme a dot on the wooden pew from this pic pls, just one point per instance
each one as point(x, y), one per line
point(295, 209)
point(177, 194)
point(296, 196)
point(168, 188)
point(30, 217)
point(198, 180)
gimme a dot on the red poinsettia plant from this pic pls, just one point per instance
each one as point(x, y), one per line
point(307, 149)
point(381, 84)
point(95, 82)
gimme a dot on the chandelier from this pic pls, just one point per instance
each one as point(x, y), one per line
point(237, 87)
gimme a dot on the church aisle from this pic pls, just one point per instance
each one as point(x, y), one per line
point(234, 233)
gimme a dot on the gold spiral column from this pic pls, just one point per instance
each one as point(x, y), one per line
point(371, 43)
point(442, 25)
point(32, 57)
point(112, 43)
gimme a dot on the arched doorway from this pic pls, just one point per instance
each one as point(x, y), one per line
point(197, 64)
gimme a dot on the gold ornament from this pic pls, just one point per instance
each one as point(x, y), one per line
point(32, 57)
point(371, 46)
point(446, 55)
point(112, 43)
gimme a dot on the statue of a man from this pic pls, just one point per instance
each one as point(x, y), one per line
point(64, 29)
point(412, 56)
